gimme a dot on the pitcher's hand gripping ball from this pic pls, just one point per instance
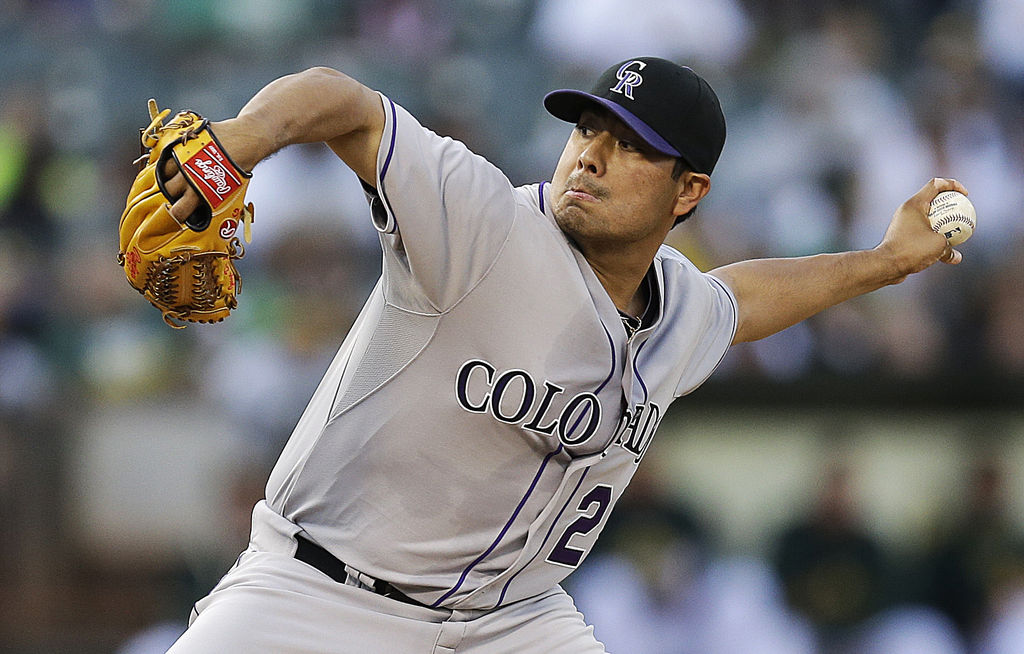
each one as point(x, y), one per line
point(952, 215)
point(185, 268)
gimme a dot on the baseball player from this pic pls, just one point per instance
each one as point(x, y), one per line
point(509, 370)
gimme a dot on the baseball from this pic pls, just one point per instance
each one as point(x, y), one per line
point(952, 215)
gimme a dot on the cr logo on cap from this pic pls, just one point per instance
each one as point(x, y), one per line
point(629, 79)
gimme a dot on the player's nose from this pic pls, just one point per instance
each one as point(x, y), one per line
point(592, 157)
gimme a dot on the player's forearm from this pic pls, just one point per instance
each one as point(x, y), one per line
point(318, 104)
point(773, 294)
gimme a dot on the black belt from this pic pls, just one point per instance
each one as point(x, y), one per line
point(310, 553)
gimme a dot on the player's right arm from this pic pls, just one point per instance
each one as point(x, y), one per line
point(316, 105)
point(773, 294)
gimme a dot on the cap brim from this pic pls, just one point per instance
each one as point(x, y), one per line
point(568, 104)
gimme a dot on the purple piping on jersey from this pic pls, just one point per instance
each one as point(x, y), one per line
point(387, 160)
point(637, 371)
point(501, 598)
point(529, 491)
point(540, 192)
point(611, 373)
point(576, 424)
point(611, 344)
point(504, 530)
point(391, 148)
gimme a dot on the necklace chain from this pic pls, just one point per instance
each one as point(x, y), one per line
point(631, 323)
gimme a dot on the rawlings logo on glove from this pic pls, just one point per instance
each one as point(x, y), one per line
point(211, 170)
point(184, 268)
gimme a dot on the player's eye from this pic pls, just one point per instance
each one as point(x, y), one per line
point(584, 130)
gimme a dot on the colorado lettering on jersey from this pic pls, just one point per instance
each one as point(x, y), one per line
point(515, 398)
point(637, 427)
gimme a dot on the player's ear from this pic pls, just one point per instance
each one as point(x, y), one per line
point(692, 189)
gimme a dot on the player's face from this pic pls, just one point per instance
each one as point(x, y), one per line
point(610, 186)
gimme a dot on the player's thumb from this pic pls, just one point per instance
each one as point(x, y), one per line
point(951, 256)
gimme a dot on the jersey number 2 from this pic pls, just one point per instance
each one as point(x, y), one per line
point(599, 497)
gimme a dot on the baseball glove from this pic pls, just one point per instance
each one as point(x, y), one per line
point(185, 268)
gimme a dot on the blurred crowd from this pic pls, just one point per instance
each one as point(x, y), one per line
point(837, 112)
point(826, 584)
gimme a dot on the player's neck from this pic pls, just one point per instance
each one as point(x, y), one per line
point(624, 283)
point(621, 267)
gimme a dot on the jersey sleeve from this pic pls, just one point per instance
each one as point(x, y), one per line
point(443, 213)
point(706, 317)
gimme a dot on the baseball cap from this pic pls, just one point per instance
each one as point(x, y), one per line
point(671, 107)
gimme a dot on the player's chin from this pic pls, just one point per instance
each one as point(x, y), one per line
point(568, 215)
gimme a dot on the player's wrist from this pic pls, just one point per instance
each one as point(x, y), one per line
point(242, 142)
point(891, 265)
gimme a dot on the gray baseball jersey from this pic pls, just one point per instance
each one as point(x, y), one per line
point(487, 409)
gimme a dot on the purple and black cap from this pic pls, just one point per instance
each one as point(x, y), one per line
point(671, 107)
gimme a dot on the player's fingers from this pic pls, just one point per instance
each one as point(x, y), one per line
point(185, 205)
point(935, 186)
point(170, 168)
point(955, 185)
point(183, 197)
point(948, 184)
point(951, 256)
point(176, 186)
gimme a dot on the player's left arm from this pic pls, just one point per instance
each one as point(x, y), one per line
point(773, 294)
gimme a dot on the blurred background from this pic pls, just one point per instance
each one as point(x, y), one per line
point(854, 484)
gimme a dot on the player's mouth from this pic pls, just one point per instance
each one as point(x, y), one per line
point(580, 195)
point(584, 192)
